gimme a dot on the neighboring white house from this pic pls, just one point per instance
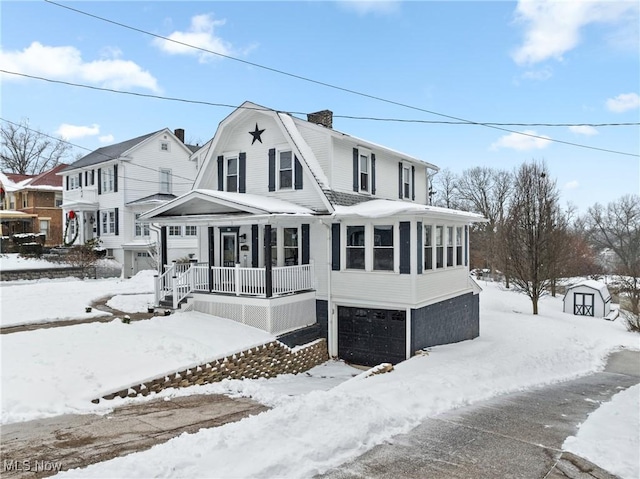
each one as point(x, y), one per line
point(308, 232)
point(588, 298)
point(106, 191)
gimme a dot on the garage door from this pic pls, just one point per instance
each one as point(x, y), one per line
point(371, 336)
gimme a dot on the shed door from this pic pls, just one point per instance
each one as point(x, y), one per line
point(583, 304)
point(371, 336)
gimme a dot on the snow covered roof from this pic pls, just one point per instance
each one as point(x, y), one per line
point(209, 202)
point(385, 208)
point(593, 284)
point(155, 199)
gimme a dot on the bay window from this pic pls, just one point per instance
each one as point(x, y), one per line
point(383, 248)
point(355, 247)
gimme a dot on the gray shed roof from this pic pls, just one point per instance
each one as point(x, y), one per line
point(107, 153)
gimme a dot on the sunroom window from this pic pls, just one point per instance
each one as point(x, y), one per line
point(439, 246)
point(355, 247)
point(383, 248)
point(428, 247)
point(290, 246)
point(449, 245)
point(459, 246)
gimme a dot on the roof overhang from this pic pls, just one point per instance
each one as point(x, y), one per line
point(16, 215)
point(390, 208)
point(80, 205)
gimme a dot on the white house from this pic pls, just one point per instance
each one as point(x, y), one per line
point(307, 232)
point(106, 191)
point(588, 298)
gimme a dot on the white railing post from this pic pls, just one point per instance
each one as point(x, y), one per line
point(238, 282)
point(175, 292)
point(156, 287)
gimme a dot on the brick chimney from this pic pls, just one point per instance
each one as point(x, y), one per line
point(179, 133)
point(324, 118)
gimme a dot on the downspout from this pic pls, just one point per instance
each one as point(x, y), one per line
point(332, 333)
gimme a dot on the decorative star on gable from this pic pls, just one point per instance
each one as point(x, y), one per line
point(256, 135)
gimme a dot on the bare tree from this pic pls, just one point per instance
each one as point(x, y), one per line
point(29, 152)
point(529, 230)
point(445, 192)
point(617, 228)
point(487, 191)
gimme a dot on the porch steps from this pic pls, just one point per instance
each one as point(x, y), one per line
point(167, 302)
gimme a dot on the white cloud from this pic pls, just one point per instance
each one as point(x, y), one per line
point(66, 63)
point(623, 102)
point(538, 75)
point(553, 27)
point(572, 185)
point(522, 142)
point(364, 7)
point(584, 130)
point(71, 132)
point(201, 34)
point(106, 138)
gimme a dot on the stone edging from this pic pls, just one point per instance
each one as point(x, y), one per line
point(266, 361)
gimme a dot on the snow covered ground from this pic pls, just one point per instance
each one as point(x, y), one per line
point(316, 422)
point(13, 261)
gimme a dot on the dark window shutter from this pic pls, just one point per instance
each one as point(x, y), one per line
point(405, 247)
point(164, 250)
point(221, 173)
point(335, 246)
point(298, 174)
point(99, 181)
point(98, 221)
point(400, 180)
point(254, 246)
point(80, 179)
point(93, 177)
point(67, 182)
point(413, 182)
point(272, 169)
point(419, 246)
point(86, 178)
point(305, 243)
point(242, 172)
point(356, 170)
point(117, 215)
point(373, 174)
point(115, 179)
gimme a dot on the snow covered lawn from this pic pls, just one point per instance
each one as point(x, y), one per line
point(13, 261)
point(54, 300)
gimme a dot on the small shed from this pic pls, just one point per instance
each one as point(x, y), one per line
point(588, 298)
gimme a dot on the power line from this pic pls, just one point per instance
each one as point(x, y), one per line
point(329, 85)
point(465, 122)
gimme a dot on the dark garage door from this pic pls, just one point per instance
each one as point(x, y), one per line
point(371, 336)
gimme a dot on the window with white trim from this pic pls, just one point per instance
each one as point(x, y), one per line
point(449, 246)
point(74, 182)
point(290, 246)
point(190, 230)
point(165, 146)
point(364, 166)
point(107, 178)
point(383, 248)
point(232, 173)
point(107, 222)
point(141, 229)
point(165, 180)
point(459, 246)
point(439, 246)
point(355, 247)
point(285, 170)
point(406, 181)
point(44, 227)
point(428, 247)
point(175, 230)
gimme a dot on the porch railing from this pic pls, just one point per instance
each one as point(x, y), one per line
point(179, 280)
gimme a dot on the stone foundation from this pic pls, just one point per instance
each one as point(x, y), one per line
point(266, 361)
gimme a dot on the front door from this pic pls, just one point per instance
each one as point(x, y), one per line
point(583, 304)
point(229, 249)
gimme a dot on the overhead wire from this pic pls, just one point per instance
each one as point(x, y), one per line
point(330, 85)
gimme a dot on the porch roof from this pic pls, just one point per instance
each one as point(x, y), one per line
point(80, 205)
point(211, 203)
point(381, 208)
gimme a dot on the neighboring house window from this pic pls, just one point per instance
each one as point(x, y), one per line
point(406, 182)
point(164, 146)
point(449, 245)
point(107, 180)
point(290, 246)
point(191, 230)
point(74, 182)
point(58, 202)
point(232, 174)
point(44, 227)
point(355, 247)
point(383, 248)
point(285, 168)
point(108, 222)
point(175, 230)
point(439, 246)
point(365, 172)
point(165, 180)
point(459, 246)
point(428, 247)
point(25, 203)
point(142, 229)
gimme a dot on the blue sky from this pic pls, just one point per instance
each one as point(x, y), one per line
point(508, 62)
